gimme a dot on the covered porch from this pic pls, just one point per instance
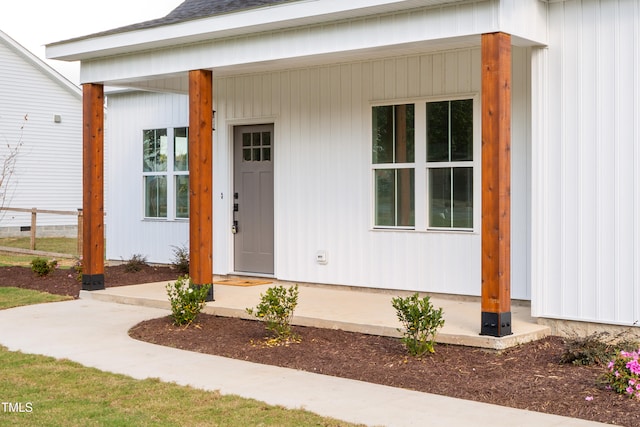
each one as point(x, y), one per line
point(320, 94)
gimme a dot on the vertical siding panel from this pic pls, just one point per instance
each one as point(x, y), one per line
point(569, 155)
point(553, 237)
point(426, 75)
point(377, 82)
point(451, 72)
point(401, 71)
point(464, 72)
point(627, 54)
point(390, 79)
point(607, 287)
point(520, 185)
point(413, 77)
point(439, 74)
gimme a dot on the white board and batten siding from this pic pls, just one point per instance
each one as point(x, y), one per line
point(48, 171)
point(323, 176)
point(128, 233)
point(586, 163)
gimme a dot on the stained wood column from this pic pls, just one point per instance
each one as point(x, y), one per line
point(496, 184)
point(201, 177)
point(93, 187)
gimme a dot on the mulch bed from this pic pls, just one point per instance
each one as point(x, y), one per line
point(528, 377)
point(65, 281)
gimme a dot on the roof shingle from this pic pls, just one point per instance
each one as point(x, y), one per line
point(194, 9)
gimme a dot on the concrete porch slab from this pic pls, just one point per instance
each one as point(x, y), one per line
point(348, 309)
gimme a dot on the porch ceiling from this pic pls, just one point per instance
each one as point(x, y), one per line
point(178, 82)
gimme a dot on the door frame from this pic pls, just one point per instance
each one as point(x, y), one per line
point(230, 126)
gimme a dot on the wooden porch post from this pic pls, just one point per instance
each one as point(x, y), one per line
point(496, 184)
point(93, 187)
point(201, 177)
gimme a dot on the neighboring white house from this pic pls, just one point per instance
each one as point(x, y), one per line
point(41, 110)
point(348, 143)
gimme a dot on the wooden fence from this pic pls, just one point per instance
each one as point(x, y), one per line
point(34, 213)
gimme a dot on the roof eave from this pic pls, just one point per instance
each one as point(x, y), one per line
point(304, 12)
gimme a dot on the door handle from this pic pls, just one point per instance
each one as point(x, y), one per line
point(234, 227)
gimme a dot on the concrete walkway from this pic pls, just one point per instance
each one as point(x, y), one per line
point(94, 334)
point(355, 310)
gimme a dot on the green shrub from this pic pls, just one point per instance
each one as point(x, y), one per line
point(420, 321)
point(42, 267)
point(181, 259)
point(187, 300)
point(276, 310)
point(135, 263)
point(597, 348)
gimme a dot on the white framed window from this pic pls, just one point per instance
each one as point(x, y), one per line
point(450, 164)
point(425, 165)
point(165, 171)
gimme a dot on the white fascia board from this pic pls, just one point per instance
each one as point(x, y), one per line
point(243, 22)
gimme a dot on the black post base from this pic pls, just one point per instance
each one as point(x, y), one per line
point(92, 282)
point(496, 324)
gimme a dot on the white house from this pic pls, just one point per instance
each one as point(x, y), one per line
point(481, 147)
point(42, 111)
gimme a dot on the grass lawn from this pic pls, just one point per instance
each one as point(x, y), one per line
point(15, 297)
point(43, 391)
point(62, 245)
point(60, 392)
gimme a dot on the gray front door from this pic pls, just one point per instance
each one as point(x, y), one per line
point(253, 199)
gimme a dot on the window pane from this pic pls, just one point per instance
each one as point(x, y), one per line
point(266, 138)
point(462, 130)
point(266, 154)
point(440, 197)
point(451, 197)
point(155, 196)
point(383, 134)
point(405, 192)
point(385, 197)
point(395, 197)
point(256, 154)
point(154, 150)
point(438, 131)
point(246, 139)
point(256, 139)
point(404, 133)
point(463, 197)
point(181, 149)
point(182, 196)
point(246, 154)
point(394, 134)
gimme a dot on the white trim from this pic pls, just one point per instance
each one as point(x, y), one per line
point(420, 165)
point(269, 18)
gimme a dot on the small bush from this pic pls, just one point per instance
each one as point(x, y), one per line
point(276, 310)
point(135, 263)
point(187, 300)
point(420, 321)
point(181, 259)
point(595, 349)
point(42, 267)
